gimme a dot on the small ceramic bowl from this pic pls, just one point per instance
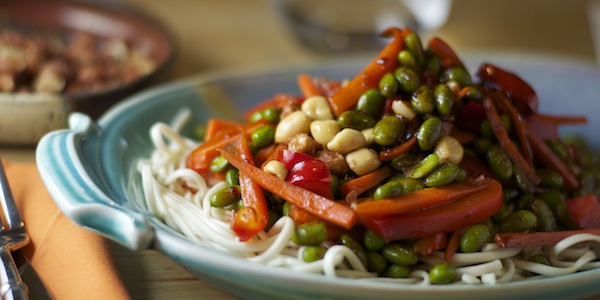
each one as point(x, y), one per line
point(26, 114)
point(90, 170)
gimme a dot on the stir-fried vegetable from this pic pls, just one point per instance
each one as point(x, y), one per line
point(412, 155)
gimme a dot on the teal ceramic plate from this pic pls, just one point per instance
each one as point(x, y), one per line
point(90, 171)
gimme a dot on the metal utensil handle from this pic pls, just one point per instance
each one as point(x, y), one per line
point(11, 284)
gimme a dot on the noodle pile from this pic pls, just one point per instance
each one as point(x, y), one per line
point(180, 197)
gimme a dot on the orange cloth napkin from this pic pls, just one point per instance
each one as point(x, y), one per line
point(73, 262)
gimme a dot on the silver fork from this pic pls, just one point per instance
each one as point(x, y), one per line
point(12, 237)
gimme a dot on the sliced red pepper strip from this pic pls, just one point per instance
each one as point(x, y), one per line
point(444, 218)
point(538, 239)
point(252, 218)
point(389, 154)
point(430, 244)
point(508, 146)
point(314, 203)
point(387, 60)
point(426, 198)
point(510, 84)
point(520, 127)
point(559, 120)
point(447, 56)
point(585, 211)
point(547, 157)
point(363, 183)
point(453, 244)
point(216, 126)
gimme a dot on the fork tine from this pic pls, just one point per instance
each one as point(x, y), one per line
point(9, 208)
point(11, 238)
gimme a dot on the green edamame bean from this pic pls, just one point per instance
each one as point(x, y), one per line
point(422, 100)
point(491, 227)
point(255, 116)
point(232, 177)
point(372, 241)
point(429, 132)
point(388, 131)
point(474, 238)
point(518, 221)
point(405, 160)
point(499, 162)
point(356, 247)
point(504, 211)
point(556, 201)
point(313, 253)
point(544, 214)
point(263, 136)
point(405, 58)
point(376, 262)
point(481, 145)
point(218, 164)
point(397, 187)
point(397, 271)
point(442, 175)
point(285, 210)
point(388, 85)
point(444, 99)
point(310, 234)
point(443, 273)
point(432, 64)
point(525, 200)
point(356, 119)
point(425, 166)
point(271, 114)
point(486, 128)
point(370, 102)
point(408, 80)
point(474, 93)
point(399, 254)
point(412, 42)
point(226, 196)
point(459, 75)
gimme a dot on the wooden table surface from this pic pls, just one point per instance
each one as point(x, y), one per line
point(233, 34)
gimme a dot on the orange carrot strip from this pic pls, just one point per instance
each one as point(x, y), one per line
point(453, 243)
point(201, 157)
point(278, 101)
point(307, 86)
point(419, 200)
point(508, 146)
point(431, 243)
point(216, 125)
point(253, 217)
point(361, 184)
point(346, 97)
point(548, 158)
point(389, 154)
point(538, 239)
point(315, 204)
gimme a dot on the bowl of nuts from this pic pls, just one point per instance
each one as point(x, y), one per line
point(61, 56)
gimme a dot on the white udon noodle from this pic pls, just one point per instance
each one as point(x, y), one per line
point(168, 185)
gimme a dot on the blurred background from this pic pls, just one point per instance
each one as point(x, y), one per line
point(216, 34)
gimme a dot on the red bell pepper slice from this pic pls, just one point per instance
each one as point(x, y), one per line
point(307, 172)
point(585, 211)
point(470, 116)
point(430, 244)
point(449, 217)
point(538, 239)
point(510, 84)
point(387, 60)
point(447, 56)
point(252, 218)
